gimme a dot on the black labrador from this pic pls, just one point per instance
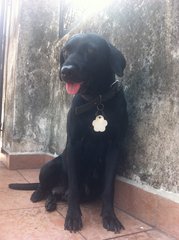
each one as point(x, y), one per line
point(96, 126)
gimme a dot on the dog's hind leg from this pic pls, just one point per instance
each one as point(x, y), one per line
point(38, 195)
point(51, 202)
point(58, 194)
point(51, 175)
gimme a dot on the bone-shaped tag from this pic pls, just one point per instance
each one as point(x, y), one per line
point(99, 124)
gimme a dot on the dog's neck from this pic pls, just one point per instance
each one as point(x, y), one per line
point(90, 97)
point(99, 99)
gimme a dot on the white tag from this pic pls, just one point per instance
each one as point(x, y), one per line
point(99, 124)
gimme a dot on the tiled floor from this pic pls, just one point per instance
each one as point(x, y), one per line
point(22, 220)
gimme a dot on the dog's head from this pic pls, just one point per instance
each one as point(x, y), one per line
point(88, 64)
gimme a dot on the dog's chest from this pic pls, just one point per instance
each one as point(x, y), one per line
point(93, 152)
point(96, 126)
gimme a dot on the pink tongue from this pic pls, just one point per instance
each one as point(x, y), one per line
point(72, 88)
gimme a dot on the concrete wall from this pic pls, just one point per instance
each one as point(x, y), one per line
point(147, 33)
point(11, 52)
point(27, 124)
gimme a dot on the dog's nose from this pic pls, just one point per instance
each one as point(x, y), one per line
point(68, 71)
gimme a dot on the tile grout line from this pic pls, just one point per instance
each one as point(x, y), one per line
point(129, 234)
point(18, 171)
point(165, 233)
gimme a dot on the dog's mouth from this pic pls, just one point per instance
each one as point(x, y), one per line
point(72, 88)
point(70, 75)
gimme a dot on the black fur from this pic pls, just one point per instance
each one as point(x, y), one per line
point(86, 169)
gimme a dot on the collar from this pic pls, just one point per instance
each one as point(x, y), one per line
point(100, 99)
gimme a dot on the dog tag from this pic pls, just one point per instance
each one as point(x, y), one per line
point(99, 124)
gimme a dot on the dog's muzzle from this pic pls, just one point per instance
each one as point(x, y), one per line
point(68, 72)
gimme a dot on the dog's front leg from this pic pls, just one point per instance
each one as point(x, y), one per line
point(110, 221)
point(73, 220)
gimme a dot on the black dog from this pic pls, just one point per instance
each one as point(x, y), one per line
point(96, 126)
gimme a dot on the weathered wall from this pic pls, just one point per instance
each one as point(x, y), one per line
point(147, 33)
point(11, 52)
point(28, 97)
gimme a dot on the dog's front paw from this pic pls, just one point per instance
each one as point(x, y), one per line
point(73, 221)
point(111, 223)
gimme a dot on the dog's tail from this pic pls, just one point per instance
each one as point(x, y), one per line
point(23, 186)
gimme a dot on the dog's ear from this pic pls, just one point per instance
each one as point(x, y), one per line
point(117, 60)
